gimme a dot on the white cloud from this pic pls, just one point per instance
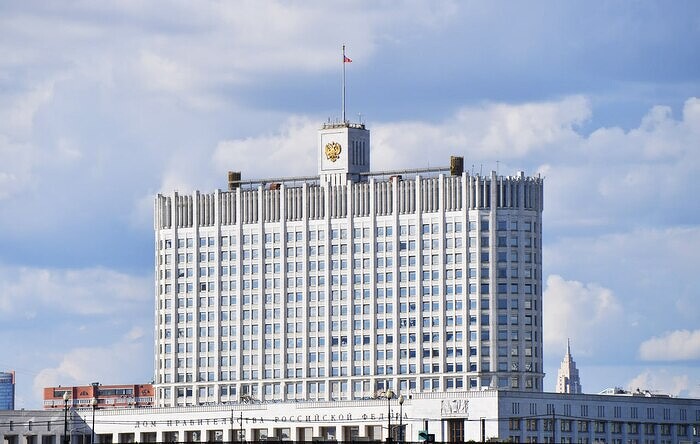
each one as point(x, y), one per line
point(675, 345)
point(309, 31)
point(18, 157)
point(67, 150)
point(115, 363)
point(193, 51)
point(16, 161)
point(289, 152)
point(489, 132)
point(492, 131)
point(618, 175)
point(666, 381)
point(165, 74)
point(19, 109)
point(26, 292)
point(174, 78)
point(612, 172)
point(639, 264)
point(135, 334)
point(141, 216)
point(583, 312)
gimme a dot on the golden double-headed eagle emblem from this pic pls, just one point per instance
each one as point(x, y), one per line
point(333, 151)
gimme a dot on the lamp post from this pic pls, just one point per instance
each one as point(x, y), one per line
point(389, 394)
point(245, 399)
point(240, 434)
point(93, 403)
point(401, 399)
point(66, 440)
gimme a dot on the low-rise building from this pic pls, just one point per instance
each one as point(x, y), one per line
point(511, 416)
point(106, 396)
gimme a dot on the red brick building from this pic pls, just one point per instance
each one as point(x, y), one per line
point(107, 396)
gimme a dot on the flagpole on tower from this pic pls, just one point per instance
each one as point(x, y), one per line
point(343, 100)
point(346, 59)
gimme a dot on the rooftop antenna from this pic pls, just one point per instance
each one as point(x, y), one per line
point(346, 59)
point(497, 164)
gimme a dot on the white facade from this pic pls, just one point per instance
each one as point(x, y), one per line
point(568, 380)
point(342, 287)
point(511, 416)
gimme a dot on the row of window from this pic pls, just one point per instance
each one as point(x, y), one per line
point(314, 310)
point(342, 324)
point(360, 388)
point(253, 269)
point(357, 280)
point(584, 426)
point(381, 324)
point(342, 233)
point(342, 249)
point(359, 368)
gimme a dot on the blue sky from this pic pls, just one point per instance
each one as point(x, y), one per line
point(105, 104)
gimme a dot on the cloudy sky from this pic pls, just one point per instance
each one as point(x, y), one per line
point(104, 104)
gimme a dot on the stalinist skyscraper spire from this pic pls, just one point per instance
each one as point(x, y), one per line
point(567, 378)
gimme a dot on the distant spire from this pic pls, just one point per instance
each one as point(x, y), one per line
point(568, 380)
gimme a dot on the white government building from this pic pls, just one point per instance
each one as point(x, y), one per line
point(352, 304)
point(346, 284)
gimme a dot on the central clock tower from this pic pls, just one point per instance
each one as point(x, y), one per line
point(343, 152)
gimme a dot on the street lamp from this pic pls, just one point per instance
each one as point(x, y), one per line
point(66, 440)
point(93, 402)
point(401, 400)
point(389, 394)
point(245, 399)
point(240, 434)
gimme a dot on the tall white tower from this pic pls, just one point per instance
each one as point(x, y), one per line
point(567, 377)
point(344, 153)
